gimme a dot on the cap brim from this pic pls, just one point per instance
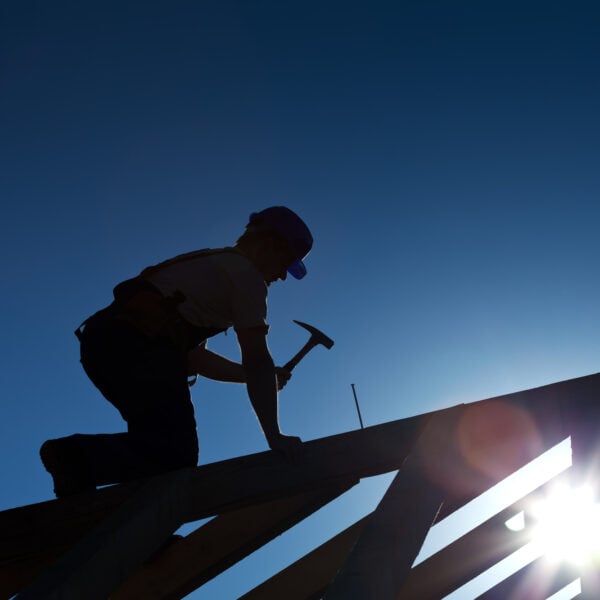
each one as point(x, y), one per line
point(297, 269)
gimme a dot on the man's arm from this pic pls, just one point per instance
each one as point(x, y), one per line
point(202, 361)
point(261, 382)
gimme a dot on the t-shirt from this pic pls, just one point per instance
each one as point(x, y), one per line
point(222, 288)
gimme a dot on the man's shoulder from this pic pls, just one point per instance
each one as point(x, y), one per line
point(236, 262)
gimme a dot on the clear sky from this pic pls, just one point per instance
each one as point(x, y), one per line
point(445, 155)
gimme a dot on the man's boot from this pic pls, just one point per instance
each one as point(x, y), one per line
point(62, 459)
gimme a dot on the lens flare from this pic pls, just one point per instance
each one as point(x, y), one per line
point(568, 525)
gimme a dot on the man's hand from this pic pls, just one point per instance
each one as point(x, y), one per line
point(262, 384)
point(283, 376)
point(289, 446)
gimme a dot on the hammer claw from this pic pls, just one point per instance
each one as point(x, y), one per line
point(316, 337)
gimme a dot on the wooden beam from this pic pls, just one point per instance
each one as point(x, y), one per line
point(95, 566)
point(309, 577)
point(536, 581)
point(538, 413)
point(473, 553)
point(389, 544)
point(220, 543)
point(371, 451)
point(257, 478)
point(438, 576)
point(381, 449)
point(542, 407)
point(25, 555)
point(48, 528)
point(464, 559)
point(218, 487)
point(31, 529)
point(582, 419)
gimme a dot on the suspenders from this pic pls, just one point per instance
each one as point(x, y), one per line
point(138, 303)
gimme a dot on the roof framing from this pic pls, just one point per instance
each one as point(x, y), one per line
point(94, 544)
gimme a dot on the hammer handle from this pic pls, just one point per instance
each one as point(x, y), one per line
point(300, 355)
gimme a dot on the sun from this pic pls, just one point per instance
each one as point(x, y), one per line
point(566, 525)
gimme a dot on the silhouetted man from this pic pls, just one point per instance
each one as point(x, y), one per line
point(140, 351)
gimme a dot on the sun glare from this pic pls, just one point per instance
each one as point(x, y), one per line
point(567, 525)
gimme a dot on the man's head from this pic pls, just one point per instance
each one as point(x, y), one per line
point(277, 240)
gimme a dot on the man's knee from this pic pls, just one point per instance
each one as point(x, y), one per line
point(181, 452)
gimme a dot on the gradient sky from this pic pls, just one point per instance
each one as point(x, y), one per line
point(445, 155)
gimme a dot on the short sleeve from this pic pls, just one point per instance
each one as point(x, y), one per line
point(249, 303)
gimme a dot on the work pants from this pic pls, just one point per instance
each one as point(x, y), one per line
point(146, 381)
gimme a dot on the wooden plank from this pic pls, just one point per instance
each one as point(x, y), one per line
point(538, 410)
point(28, 530)
point(218, 487)
point(262, 477)
point(309, 577)
point(473, 553)
point(536, 416)
point(389, 544)
point(583, 420)
point(27, 555)
point(374, 450)
point(464, 559)
point(42, 529)
point(220, 543)
point(533, 418)
point(98, 564)
point(537, 581)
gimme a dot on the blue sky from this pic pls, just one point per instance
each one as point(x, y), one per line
point(445, 156)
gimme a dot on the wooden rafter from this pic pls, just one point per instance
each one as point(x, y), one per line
point(189, 563)
point(33, 537)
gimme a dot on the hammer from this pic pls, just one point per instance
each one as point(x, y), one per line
point(316, 337)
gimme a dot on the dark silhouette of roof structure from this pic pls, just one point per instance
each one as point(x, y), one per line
point(118, 542)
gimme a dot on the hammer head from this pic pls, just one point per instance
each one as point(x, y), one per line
point(317, 337)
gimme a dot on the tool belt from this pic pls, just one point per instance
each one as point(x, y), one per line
point(139, 304)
